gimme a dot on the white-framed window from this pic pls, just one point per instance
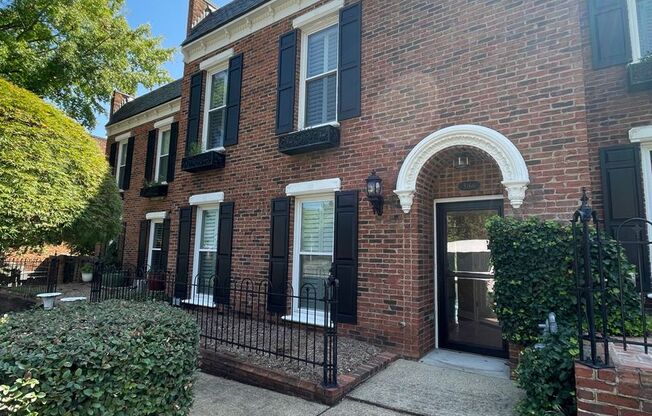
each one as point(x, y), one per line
point(215, 108)
point(205, 254)
point(121, 164)
point(162, 155)
point(314, 220)
point(640, 27)
point(155, 245)
point(319, 67)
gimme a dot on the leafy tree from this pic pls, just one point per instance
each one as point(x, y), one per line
point(55, 184)
point(74, 53)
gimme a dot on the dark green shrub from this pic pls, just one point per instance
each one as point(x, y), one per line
point(546, 375)
point(533, 262)
point(110, 358)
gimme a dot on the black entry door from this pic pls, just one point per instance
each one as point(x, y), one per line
point(465, 278)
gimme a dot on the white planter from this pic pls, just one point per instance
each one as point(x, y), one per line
point(48, 299)
point(87, 277)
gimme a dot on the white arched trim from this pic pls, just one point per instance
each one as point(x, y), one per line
point(506, 155)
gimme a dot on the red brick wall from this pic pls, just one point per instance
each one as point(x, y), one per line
point(613, 391)
point(515, 67)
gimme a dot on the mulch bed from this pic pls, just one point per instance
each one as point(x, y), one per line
point(289, 339)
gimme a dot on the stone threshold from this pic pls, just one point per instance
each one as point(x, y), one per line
point(227, 365)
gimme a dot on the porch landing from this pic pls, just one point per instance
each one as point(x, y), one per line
point(404, 388)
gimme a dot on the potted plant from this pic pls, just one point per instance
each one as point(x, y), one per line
point(86, 270)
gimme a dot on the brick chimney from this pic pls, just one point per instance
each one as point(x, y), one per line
point(197, 11)
point(118, 100)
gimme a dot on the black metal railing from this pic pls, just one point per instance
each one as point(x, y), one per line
point(28, 277)
point(247, 315)
point(602, 317)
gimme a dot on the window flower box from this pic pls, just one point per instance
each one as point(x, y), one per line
point(203, 161)
point(154, 190)
point(310, 140)
point(639, 75)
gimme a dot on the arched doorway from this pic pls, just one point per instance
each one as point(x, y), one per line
point(452, 203)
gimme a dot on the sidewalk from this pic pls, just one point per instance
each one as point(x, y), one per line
point(404, 388)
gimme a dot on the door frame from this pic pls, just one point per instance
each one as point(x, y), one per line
point(436, 281)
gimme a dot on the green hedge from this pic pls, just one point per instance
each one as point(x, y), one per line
point(111, 358)
point(533, 262)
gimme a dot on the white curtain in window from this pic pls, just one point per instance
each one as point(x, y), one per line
point(321, 87)
point(317, 227)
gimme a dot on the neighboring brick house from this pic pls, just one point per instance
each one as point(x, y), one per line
point(464, 110)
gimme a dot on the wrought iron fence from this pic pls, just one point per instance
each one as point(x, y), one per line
point(28, 277)
point(598, 278)
point(247, 315)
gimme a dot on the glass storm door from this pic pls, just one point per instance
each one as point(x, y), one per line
point(467, 321)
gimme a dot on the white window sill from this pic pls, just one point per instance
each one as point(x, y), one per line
point(335, 124)
point(207, 303)
point(220, 149)
point(305, 317)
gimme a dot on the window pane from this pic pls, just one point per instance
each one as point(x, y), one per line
point(317, 226)
point(215, 129)
point(158, 235)
point(322, 51)
point(123, 154)
point(163, 169)
point(218, 84)
point(314, 270)
point(209, 230)
point(155, 261)
point(644, 16)
point(206, 272)
point(120, 175)
point(321, 100)
point(165, 143)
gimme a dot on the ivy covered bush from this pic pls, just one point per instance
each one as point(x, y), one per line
point(111, 358)
point(55, 183)
point(546, 374)
point(533, 263)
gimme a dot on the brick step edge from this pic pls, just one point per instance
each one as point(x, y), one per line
point(229, 366)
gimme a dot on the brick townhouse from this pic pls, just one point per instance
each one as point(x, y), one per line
point(255, 164)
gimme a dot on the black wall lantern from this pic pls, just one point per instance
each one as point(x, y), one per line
point(375, 192)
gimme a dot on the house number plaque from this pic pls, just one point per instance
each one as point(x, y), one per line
point(468, 186)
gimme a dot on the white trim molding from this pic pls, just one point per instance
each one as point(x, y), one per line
point(507, 157)
point(123, 136)
point(163, 110)
point(642, 134)
point(313, 187)
point(322, 12)
point(218, 59)
point(206, 199)
point(164, 123)
point(159, 215)
point(259, 18)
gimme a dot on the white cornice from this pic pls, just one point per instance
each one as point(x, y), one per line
point(322, 12)
point(160, 215)
point(642, 134)
point(204, 199)
point(123, 136)
point(313, 187)
point(150, 115)
point(245, 25)
point(218, 59)
point(164, 123)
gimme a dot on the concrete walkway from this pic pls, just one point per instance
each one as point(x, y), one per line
point(404, 388)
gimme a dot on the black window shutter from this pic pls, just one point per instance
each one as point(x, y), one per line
point(183, 253)
point(113, 151)
point(222, 283)
point(622, 198)
point(286, 81)
point(143, 237)
point(349, 62)
point(233, 93)
point(172, 155)
point(149, 158)
point(610, 42)
point(278, 255)
point(128, 163)
point(345, 264)
point(194, 107)
point(165, 245)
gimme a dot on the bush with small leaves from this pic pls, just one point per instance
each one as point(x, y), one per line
point(109, 358)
